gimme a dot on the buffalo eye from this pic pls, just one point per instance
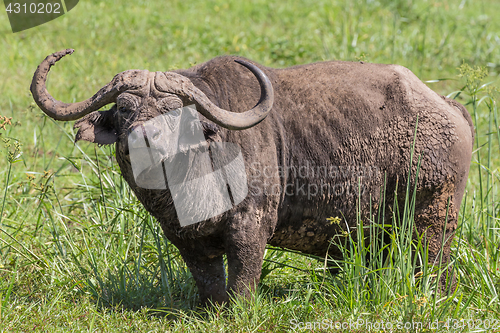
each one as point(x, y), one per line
point(123, 109)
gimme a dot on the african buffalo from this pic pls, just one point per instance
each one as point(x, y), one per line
point(319, 140)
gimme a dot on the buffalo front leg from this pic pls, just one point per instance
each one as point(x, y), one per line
point(209, 275)
point(245, 246)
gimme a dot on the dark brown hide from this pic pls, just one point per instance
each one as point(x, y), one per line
point(356, 121)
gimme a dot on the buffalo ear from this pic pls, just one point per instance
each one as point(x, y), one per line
point(97, 127)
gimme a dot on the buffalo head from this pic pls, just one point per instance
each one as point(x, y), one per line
point(141, 95)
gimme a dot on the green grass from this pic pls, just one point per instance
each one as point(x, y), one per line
point(78, 252)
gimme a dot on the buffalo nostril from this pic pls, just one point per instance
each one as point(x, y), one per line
point(133, 136)
point(136, 137)
point(153, 133)
point(144, 135)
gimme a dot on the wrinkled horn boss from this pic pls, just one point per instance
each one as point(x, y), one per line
point(167, 82)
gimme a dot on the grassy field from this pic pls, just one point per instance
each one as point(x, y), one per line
point(78, 252)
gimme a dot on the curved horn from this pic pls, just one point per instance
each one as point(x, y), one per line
point(182, 86)
point(72, 111)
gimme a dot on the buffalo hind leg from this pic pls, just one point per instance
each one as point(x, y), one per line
point(436, 220)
